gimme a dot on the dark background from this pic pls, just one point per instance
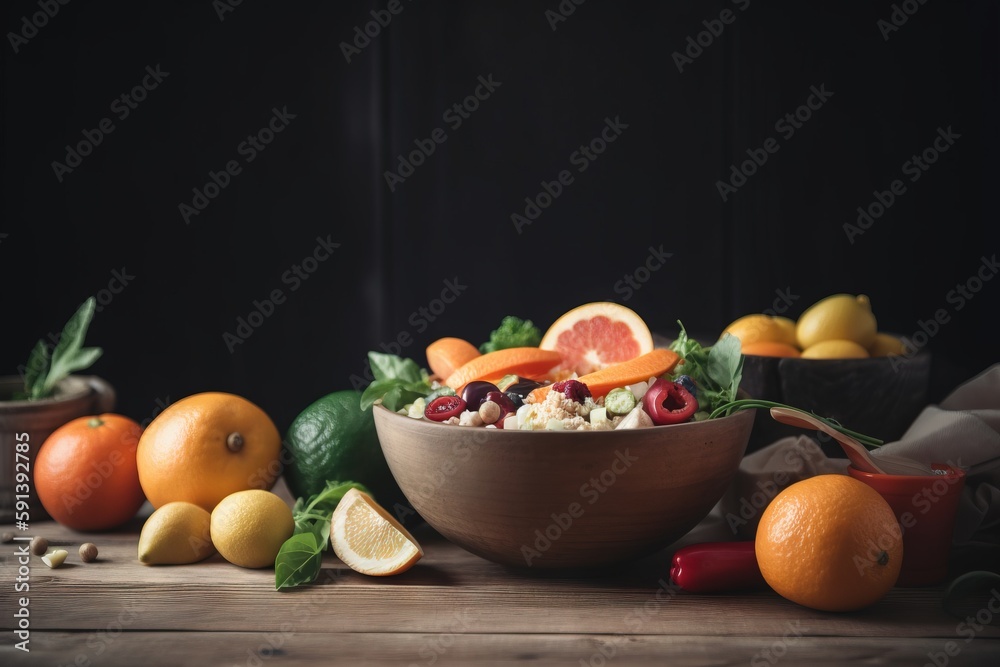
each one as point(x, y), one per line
point(781, 233)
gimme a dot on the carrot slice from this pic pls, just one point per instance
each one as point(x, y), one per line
point(446, 354)
point(524, 361)
point(643, 367)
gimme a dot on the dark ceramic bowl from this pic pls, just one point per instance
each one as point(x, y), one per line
point(879, 397)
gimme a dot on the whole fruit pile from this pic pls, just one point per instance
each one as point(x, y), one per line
point(840, 326)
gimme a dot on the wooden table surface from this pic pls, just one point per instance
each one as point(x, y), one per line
point(451, 608)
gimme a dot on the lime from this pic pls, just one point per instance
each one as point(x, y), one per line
point(333, 439)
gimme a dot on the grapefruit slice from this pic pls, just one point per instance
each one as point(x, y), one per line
point(597, 335)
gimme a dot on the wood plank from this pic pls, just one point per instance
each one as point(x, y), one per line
point(252, 649)
point(215, 595)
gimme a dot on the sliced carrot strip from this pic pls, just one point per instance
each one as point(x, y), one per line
point(530, 362)
point(643, 367)
point(447, 354)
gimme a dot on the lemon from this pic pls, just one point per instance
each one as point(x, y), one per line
point(176, 534)
point(757, 328)
point(837, 317)
point(249, 527)
point(886, 345)
point(370, 540)
point(835, 349)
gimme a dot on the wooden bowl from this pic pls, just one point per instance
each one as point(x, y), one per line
point(563, 499)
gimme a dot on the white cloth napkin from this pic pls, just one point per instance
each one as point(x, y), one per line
point(963, 430)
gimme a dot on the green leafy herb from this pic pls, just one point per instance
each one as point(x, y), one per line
point(717, 369)
point(301, 556)
point(512, 332)
point(398, 381)
point(44, 370)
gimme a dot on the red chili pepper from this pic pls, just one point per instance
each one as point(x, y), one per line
point(716, 566)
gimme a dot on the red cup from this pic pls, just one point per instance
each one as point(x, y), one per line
point(925, 507)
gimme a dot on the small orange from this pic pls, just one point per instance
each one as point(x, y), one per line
point(205, 447)
point(769, 348)
point(758, 327)
point(829, 542)
point(85, 472)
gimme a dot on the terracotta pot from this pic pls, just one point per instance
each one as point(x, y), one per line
point(30, 423)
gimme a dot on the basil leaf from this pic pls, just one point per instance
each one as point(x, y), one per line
point(324, 502)
point(298, 561)
point(716, 370)
point(725, 364)
point(392, 367)
point(300, 558)
point(376, 390)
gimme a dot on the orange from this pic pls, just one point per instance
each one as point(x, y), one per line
point(205, 447)
point(85, 472)
point(370, 540)
point(597, 335)
point(830, 542)
point(446, 354)
point(770, 348)
point(758, 327)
